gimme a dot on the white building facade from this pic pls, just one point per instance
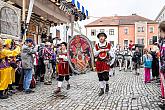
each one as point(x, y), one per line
point(110, 31)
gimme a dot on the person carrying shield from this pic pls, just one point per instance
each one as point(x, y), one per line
point(63, 67)
point(102, 53)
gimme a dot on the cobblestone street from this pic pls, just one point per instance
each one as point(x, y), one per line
point(127, 92)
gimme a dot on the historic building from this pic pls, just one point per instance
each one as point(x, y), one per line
point(122, 29)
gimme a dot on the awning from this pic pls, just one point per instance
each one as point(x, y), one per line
point(47, 10)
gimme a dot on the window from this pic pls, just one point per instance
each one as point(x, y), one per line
point(102, 30)
point(126, 31)
point(111, 32)
point(140, 41)
point(140, 29)
point(125, 42)
point(93, 32)
point(151, 29)
point(150, 41)
point(9, 22)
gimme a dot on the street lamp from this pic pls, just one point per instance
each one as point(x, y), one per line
point(67, 28)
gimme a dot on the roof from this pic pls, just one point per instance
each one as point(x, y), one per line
point(119, 20)
point(160, 13)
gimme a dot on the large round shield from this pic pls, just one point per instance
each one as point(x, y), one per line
point(80, 54)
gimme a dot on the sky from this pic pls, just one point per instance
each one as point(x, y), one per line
point(99, 8)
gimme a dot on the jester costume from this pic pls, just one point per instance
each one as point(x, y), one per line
point(7, 75)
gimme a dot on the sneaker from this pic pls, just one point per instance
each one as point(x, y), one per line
point(29, 91)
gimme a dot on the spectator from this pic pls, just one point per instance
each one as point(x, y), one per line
point(147, 65)
point(47, 55)
point(27, 64)
point(131, 45)
point(137, 60)
point(155, 62)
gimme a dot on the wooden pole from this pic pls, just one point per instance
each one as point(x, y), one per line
point(23, 16)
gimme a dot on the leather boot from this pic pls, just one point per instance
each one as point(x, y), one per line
point(107, 88)
point(101, 92)
point(68, 87)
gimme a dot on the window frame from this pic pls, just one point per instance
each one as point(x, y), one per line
point(111, 31)
point(93, 31)
point(126, 32)
point(102, 30)
point(150, 29)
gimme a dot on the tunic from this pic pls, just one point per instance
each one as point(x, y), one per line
point(102, 58)
point(63, 66)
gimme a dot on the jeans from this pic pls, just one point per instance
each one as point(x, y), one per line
point(27, 78)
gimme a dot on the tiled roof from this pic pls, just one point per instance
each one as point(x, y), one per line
point(118, 20)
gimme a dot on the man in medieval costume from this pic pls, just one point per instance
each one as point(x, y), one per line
point(63, 67)
point(103, 55)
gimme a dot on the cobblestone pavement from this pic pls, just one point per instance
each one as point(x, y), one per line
point(127, 92)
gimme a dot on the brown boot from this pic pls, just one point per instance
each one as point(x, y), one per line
point(58, 90)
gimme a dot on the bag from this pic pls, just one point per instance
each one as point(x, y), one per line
point(33, 82)
point(148, 62)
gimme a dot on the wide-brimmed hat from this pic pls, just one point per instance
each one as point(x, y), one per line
point(102, 34)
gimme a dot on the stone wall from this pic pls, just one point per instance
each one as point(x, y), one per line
point(11, 31)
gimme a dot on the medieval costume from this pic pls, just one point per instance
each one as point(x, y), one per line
point(5, 68)
point(103, 56)
point(63, 68)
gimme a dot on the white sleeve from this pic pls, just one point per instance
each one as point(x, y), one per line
point(64, 57)
point(96, 53)
point(112, 54)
